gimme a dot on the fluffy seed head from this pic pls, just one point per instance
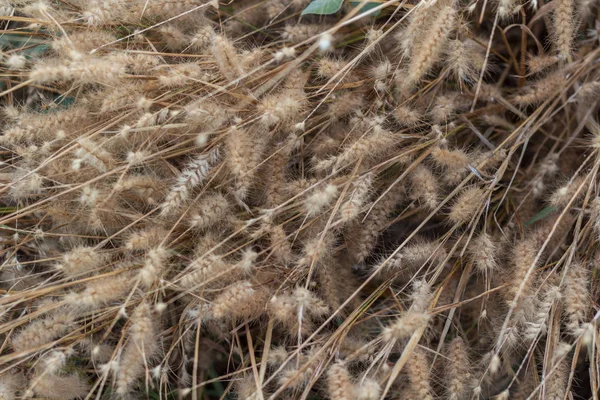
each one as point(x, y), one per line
point(81, 260)
point(483, 253)
point(370, 389)
point(320, 199)
point(339, 385)
point(466, 205)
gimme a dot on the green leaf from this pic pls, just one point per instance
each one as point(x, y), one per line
point(541, 215)
point(367, 7)
point(64, 101)
point(323, 7)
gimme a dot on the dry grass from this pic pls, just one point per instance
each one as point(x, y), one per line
point(213, 200)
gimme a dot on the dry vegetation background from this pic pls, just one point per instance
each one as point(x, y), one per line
point(219, 200)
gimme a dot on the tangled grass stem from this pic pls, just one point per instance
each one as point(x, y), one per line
point(206, 200)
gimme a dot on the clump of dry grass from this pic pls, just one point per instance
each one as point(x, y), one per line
point(207, 199)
